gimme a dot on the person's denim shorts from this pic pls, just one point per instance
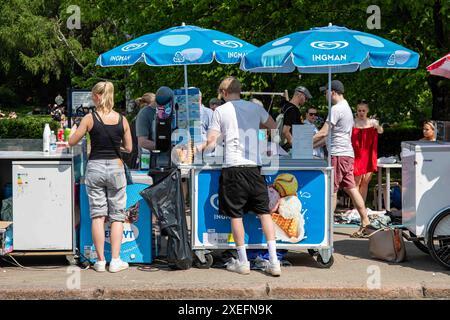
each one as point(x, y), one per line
point(106, 188)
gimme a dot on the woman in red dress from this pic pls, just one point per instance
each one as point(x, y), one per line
point(365, 142)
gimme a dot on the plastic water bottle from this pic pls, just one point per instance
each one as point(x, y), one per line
point(46, 139)
point(52, 143)
point(145, 160)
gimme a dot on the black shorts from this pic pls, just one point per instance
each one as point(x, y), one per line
point(242, 189)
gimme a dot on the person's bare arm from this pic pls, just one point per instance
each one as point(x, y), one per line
point(376, 125)
point(269, 124)
point(320, 143)
point(127, 142)
point(210, 143)
point(287, 134)
point(77, 133)
point(146, 143)
point(323, 133)
point(380, 129)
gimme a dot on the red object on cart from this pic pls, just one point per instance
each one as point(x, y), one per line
point(60, 134)
point(441, 67)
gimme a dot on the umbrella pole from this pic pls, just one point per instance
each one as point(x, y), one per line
point(185, 89)
point(329, 117)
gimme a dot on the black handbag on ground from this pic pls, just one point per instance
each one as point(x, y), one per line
point(127, 170)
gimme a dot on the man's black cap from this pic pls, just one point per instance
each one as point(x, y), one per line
point(336, 85)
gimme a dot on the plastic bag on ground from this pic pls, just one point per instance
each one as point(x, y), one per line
point(166, 201)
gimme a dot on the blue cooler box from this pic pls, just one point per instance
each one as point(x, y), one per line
point(137, 239)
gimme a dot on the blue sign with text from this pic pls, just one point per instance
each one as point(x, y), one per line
point(136, 242)
point(297, 199)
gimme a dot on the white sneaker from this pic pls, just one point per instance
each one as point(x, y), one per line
point(100, 266)
point(236, 266)
point(273, 268)
point(117, 265)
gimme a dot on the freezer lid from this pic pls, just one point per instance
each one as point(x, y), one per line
point(426, 145)
point(57, 162)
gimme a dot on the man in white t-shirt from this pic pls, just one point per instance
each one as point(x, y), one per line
point(340, 120)
point(242, 187)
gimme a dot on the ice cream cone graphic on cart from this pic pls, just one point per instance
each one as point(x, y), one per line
point(286, 209)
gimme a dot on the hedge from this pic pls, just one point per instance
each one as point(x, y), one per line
point(32, 127)
point(26, 127)
point(389, 143)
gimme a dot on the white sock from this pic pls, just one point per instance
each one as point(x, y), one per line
point(242, 254)
point(271, 244)
point(116, 260)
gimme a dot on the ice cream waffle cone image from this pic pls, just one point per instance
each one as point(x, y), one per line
point(286, 184)
point(289, 226)
point(287, 210)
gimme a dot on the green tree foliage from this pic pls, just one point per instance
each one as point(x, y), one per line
point(36, 41)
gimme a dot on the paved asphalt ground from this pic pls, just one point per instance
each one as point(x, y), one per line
point(353, 275)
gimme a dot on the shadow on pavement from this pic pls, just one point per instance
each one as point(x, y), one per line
point(356, 249)
point(35, 262)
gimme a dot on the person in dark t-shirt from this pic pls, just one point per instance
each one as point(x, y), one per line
point(292, 114)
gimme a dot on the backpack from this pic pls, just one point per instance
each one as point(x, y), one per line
point(281, 139)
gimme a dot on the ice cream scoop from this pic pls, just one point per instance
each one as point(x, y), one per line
point(286, 184)
point(274, 198)
point(290, 207)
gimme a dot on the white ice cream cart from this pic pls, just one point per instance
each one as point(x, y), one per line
point(426, 196)
point(309, 180)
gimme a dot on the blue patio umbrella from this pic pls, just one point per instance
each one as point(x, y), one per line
point(331, 49)
point(182, 45)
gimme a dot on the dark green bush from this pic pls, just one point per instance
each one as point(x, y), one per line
point(7, 97)
point(389, 143)
point(26, 127)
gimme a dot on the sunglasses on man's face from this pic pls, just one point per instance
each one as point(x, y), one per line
point(312, 114)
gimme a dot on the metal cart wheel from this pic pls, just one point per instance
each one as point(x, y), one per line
point(438, 239)
point(204, 265)
point(420, 244)
point(323, 264)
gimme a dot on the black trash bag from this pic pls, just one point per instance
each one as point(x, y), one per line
point(166, 201)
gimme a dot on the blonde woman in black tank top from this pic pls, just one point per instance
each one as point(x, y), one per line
point(105, 176)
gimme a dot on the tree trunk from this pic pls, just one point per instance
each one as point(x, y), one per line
point(440, 87)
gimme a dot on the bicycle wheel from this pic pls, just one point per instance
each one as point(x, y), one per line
point(439, 239)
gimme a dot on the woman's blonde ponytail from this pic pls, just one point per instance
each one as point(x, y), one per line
point(106, 90)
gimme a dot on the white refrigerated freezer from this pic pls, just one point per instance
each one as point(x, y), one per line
point(425, 183)
point(426, 196)
point(42, 205)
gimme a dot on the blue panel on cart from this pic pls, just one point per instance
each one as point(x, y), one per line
point(214, 228)
point(136, 243)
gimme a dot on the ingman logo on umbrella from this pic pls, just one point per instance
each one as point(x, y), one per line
point(329, 45)
point(228, 43)
point(329, 57)
point(134, 46)
point(119, 58)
